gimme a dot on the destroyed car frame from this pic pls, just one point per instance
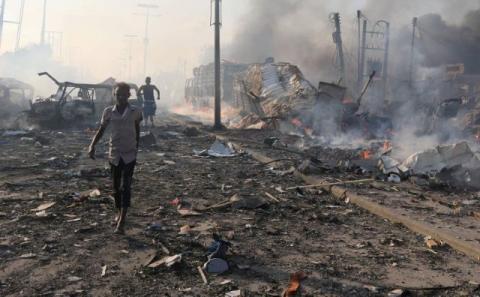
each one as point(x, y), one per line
point(14, 96)
point(64, 109)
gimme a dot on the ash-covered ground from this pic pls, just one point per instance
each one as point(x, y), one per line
point(69, 249)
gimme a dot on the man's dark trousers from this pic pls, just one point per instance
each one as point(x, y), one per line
point(122, 176)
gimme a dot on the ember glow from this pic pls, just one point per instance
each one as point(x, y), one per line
point(297, 122)
point(366, 154)
point(387, 145)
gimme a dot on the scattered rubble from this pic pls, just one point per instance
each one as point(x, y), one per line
point(249, 203)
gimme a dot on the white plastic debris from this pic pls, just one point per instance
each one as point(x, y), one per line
point(446, 156)
point(218, 150)
point(236, 293)
point(389, 165)
point(9, 133)
point(393, 178)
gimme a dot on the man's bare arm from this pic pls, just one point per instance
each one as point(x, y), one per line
point(158, 92)
point(96, 139)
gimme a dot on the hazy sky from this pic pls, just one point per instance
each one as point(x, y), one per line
point(180, 35)
point(94, 30)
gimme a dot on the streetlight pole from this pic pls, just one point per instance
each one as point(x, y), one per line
point(2, 14)
point(44, 21)
point(20, 23)
point(218, 90)
point(130, 50)
point(146, 40)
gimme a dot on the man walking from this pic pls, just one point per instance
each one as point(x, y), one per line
point(124, 121)
point(149, 106)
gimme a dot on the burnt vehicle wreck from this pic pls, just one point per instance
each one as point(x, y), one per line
point(72, 104)
point(14, 96)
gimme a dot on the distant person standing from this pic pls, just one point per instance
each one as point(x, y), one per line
point(124, 121)
point(149, 106)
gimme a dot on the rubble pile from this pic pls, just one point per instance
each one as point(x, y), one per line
point(270, 92)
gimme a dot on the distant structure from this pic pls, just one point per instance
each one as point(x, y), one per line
point(18, 23)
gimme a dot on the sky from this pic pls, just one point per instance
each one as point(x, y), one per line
point(94, 32)
point(181, 38)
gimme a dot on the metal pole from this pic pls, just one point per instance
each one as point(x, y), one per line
point(359, 50)
point(218, 95)
point(385, 60)
point(130, 54)
point(19, 28)
point(145, 50)
point(338, 41)
point(412, 53)
point(42, 38)
point(361, 71)
point(146, 41)
point(2, 14)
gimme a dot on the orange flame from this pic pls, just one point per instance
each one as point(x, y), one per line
point(296, 122)
point(366, 155)
point(387, 145)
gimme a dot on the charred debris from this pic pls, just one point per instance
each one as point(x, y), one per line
point(364, 115)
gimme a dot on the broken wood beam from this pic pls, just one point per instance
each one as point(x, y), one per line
point(359, 181)
point(202, 274)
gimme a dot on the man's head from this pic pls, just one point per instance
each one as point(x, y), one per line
point(122, 93)
point(148, 80)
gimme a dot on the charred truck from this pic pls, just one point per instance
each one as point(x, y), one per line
point(73, 104)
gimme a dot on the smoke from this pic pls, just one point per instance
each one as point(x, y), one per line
point(300, 32)
point(289, 31)
point(441, 43)
point(26, 63)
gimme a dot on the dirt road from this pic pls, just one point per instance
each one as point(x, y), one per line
point(69, 249)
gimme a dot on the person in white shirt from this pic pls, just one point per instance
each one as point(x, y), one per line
point(124, 120)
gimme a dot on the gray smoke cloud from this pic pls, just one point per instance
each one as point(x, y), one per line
point(299, 31)
point(26, 63)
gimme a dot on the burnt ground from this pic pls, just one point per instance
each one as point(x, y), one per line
point(344, 250)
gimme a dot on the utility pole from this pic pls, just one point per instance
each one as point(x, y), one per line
point(55, 40)
point(44, 22)
point(385, 58)
point(20, 22)
point(380, 32)
point(359, 46)
point(2, 14)
point(361, 70)
point(412, 52)
point(130, 39)
point(218, 90)
point(337, 39)
point(146, 40)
